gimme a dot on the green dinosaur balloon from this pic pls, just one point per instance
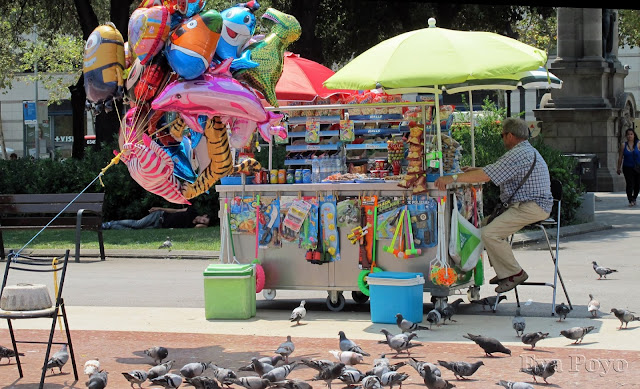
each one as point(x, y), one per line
point(269, 54)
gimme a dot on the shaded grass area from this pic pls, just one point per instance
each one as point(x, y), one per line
point(182, 239)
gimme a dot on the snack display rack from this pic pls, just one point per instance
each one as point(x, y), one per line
point(402, 219)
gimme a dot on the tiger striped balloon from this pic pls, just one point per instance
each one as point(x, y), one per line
point(152, 168)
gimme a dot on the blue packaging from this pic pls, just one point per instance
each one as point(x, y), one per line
point(395, 292)
point(306, 176)
point(298, 176)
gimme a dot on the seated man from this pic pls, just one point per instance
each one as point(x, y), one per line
point(529, 203)
point(162, 218)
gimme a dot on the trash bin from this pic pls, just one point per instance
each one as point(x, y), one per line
point(586, 169)
point(395, 292)
point(229, 291)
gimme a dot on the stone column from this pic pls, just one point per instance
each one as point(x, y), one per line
point(588, 114)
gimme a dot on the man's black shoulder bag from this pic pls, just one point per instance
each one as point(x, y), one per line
point(502, 207)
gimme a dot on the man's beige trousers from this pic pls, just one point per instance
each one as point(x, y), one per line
point(495, 235)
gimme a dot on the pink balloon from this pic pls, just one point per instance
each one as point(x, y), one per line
point(216, 94)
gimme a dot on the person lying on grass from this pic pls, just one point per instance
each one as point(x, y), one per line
point(162, 218)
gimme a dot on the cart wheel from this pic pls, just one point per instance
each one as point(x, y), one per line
point(423, 216)
point(269, 294)
point(473, 293)
point(337, 307)
point(439, 302)
point(359, 297)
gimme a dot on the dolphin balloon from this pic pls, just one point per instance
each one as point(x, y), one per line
point(215, 94)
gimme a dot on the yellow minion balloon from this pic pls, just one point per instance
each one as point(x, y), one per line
point(103, 67)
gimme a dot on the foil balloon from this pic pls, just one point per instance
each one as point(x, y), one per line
point(220, 164)
point(241, 131)
point(152, 169)
point(152, 79)
point(215, 94)
point(269, 54)
point(192, 45)
point(238, 26)
point(187, 8)
point(103, 67)
point(128, 56)
point(148, 30)
point(133, 77)
point(181, 157)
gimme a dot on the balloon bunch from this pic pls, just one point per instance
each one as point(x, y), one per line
point(187, 74)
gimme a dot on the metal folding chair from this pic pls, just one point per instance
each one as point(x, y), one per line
point(59, 269)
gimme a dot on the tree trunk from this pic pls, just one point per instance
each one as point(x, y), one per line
point(309, 46)
point(78, 97)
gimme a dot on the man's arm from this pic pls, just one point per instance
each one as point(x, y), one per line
point(473, 176)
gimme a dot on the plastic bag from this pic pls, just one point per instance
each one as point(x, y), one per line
point(465, 242)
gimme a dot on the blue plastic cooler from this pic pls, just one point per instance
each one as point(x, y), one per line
point(395, 292)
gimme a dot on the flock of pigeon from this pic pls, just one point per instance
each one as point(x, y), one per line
point(273, 372)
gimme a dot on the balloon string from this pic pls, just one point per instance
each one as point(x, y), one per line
point(163, 127)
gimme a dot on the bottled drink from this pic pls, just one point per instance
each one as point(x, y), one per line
point(337, 164)
point(324, 167)
point(315, 170)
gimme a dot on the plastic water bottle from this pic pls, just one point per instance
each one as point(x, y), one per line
point(325, 168)
point(337, 164)
point(315, 170)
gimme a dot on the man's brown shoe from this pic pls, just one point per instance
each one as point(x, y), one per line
point(495, 280)
point(509, 283)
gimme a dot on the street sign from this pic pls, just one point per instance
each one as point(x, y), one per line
point(29, 112)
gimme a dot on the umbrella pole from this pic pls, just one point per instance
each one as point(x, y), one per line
point(473, 131)
point(271, 151)
point(508, 103)
point(438, 129)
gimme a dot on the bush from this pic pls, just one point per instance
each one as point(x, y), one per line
point(489, 147)
point(124, 198)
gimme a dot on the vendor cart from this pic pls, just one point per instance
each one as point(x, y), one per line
point(287, 265)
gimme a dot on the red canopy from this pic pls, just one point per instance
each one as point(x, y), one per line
point(302, 79)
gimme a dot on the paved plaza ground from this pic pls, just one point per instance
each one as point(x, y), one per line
point(119, 307)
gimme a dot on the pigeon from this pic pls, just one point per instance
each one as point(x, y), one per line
point(202, 382)
point(434, 317)
point(514, 385)
point(347, 357)
point(317, 364)
point(8, 353)
point(136, 377)
point(449, 310)
point(286, 348)
point(291, 384)
point(433, 381)
point(518, 323)
point(461, 370)
point(383, 360)
point(223, 375)
point(384, 367)
point(160, 370)
point(407, 325)
point(371, 382)
point(393, 378)
point(280, 373)
point(400, 342)
point(350, 345)
point(419, 366)
point(602, 271)
point(594, 306)
point(489, 345)
point(91, 367)
point(194, 369)
point(489, 301)
point(533, 337)
point(58, 359)
point(273, 361)
point(97, 380)
point(330, 373)
point(544, 370)
point(168, 381)
point(298, 313)
point(624, 316)
point(259, 367)
point(250, 382)
point(157, 353)
point(351, 377)
point(576, 333)
point(562, 311)
point(166, 244)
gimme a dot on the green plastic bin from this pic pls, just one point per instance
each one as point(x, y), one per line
point(229, 291)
